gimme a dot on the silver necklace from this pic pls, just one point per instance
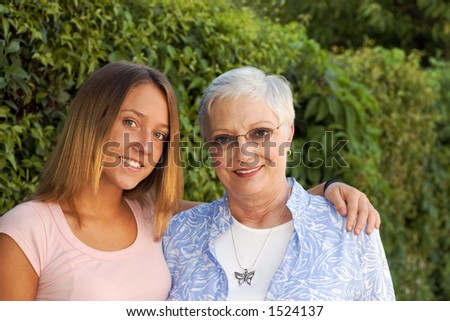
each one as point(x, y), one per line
point(247, 275)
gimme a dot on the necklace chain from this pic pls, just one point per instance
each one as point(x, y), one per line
point(246, 276)
point(262, 247)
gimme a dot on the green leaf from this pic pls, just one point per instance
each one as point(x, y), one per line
point(11, 104)
point(171, 51)
point(5, 24)
point(315, 133)
point(13, 47)
point(12, 161)
point(333, 107)
point(4, 9)
point(116, 56)
point(2, 162)
point(197, 82)
point(16, 71)
point(313, 175)
point(63, 97)
point(311, 107)
point(3, 83)
point(322, 113)
point(40, 96)
point(4, 112)
point(167, 65)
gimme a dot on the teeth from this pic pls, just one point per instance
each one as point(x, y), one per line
point(247, 171)
point(131, 162)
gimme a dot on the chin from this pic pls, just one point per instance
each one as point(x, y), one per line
point(246, 189)
point(126, 186)
point(128, 183)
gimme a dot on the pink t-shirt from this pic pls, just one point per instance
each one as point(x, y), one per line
point(68, 269)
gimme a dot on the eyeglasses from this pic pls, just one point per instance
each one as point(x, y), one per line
point(257, 135)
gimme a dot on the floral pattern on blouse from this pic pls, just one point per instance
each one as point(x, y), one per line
point(322, 260)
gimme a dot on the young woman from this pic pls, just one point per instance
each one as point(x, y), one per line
point(89, 232)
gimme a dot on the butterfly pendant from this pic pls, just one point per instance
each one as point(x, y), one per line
point(245, 277)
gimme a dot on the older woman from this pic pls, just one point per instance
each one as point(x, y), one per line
point(267, 238)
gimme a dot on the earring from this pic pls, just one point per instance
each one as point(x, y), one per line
point(289, 152)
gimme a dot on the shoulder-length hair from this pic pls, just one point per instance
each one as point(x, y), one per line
point(76, 162)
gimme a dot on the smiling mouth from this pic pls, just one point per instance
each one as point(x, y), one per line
point(131, 163)
point(247, 171)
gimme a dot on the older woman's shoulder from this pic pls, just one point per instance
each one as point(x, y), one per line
point(322, 205)
point(313, 205)
point(198, 215)
point(200, 210)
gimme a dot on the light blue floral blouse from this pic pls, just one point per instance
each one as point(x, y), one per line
point(322, 261)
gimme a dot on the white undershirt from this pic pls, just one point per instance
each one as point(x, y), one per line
point(248, 243)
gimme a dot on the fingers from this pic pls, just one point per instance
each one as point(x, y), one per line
point(374, 220)
point(355, 205)
point(333, 194)
point(352, 210)
point(346, 200)
point(367, 215)
point(363, 215)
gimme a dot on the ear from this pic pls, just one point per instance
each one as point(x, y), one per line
point(291, 132)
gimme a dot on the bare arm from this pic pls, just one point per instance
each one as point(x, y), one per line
point(185, 205)
point(317, 190)
point(352, 203)
point(18, 280)
point(348, 200)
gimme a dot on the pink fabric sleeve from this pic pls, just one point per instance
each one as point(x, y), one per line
point(25, 226)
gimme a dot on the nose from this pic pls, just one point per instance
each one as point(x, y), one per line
point(143, 141)
point(245, 151)
point(240, 140)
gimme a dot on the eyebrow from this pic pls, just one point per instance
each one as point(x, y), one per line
point(254, 126)
point(139, 114)
point(133, 111)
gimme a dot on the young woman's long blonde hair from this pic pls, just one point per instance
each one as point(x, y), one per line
point(76, 161)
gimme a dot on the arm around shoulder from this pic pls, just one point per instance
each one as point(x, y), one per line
point(18, 280)
point(185, 205)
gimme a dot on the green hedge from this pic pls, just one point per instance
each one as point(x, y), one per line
point(435, 200)
point(48, 49)
point(408, 191)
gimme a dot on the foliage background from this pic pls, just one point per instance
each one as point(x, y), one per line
point(362, 80)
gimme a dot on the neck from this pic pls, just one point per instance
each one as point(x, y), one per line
point(262, 210)
point(106, 203)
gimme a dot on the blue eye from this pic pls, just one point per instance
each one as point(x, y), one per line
point(129, 123)
point(224, 139)
point(259, 134)
point(160, 136)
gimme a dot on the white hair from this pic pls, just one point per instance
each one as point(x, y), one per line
point(249, 82)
